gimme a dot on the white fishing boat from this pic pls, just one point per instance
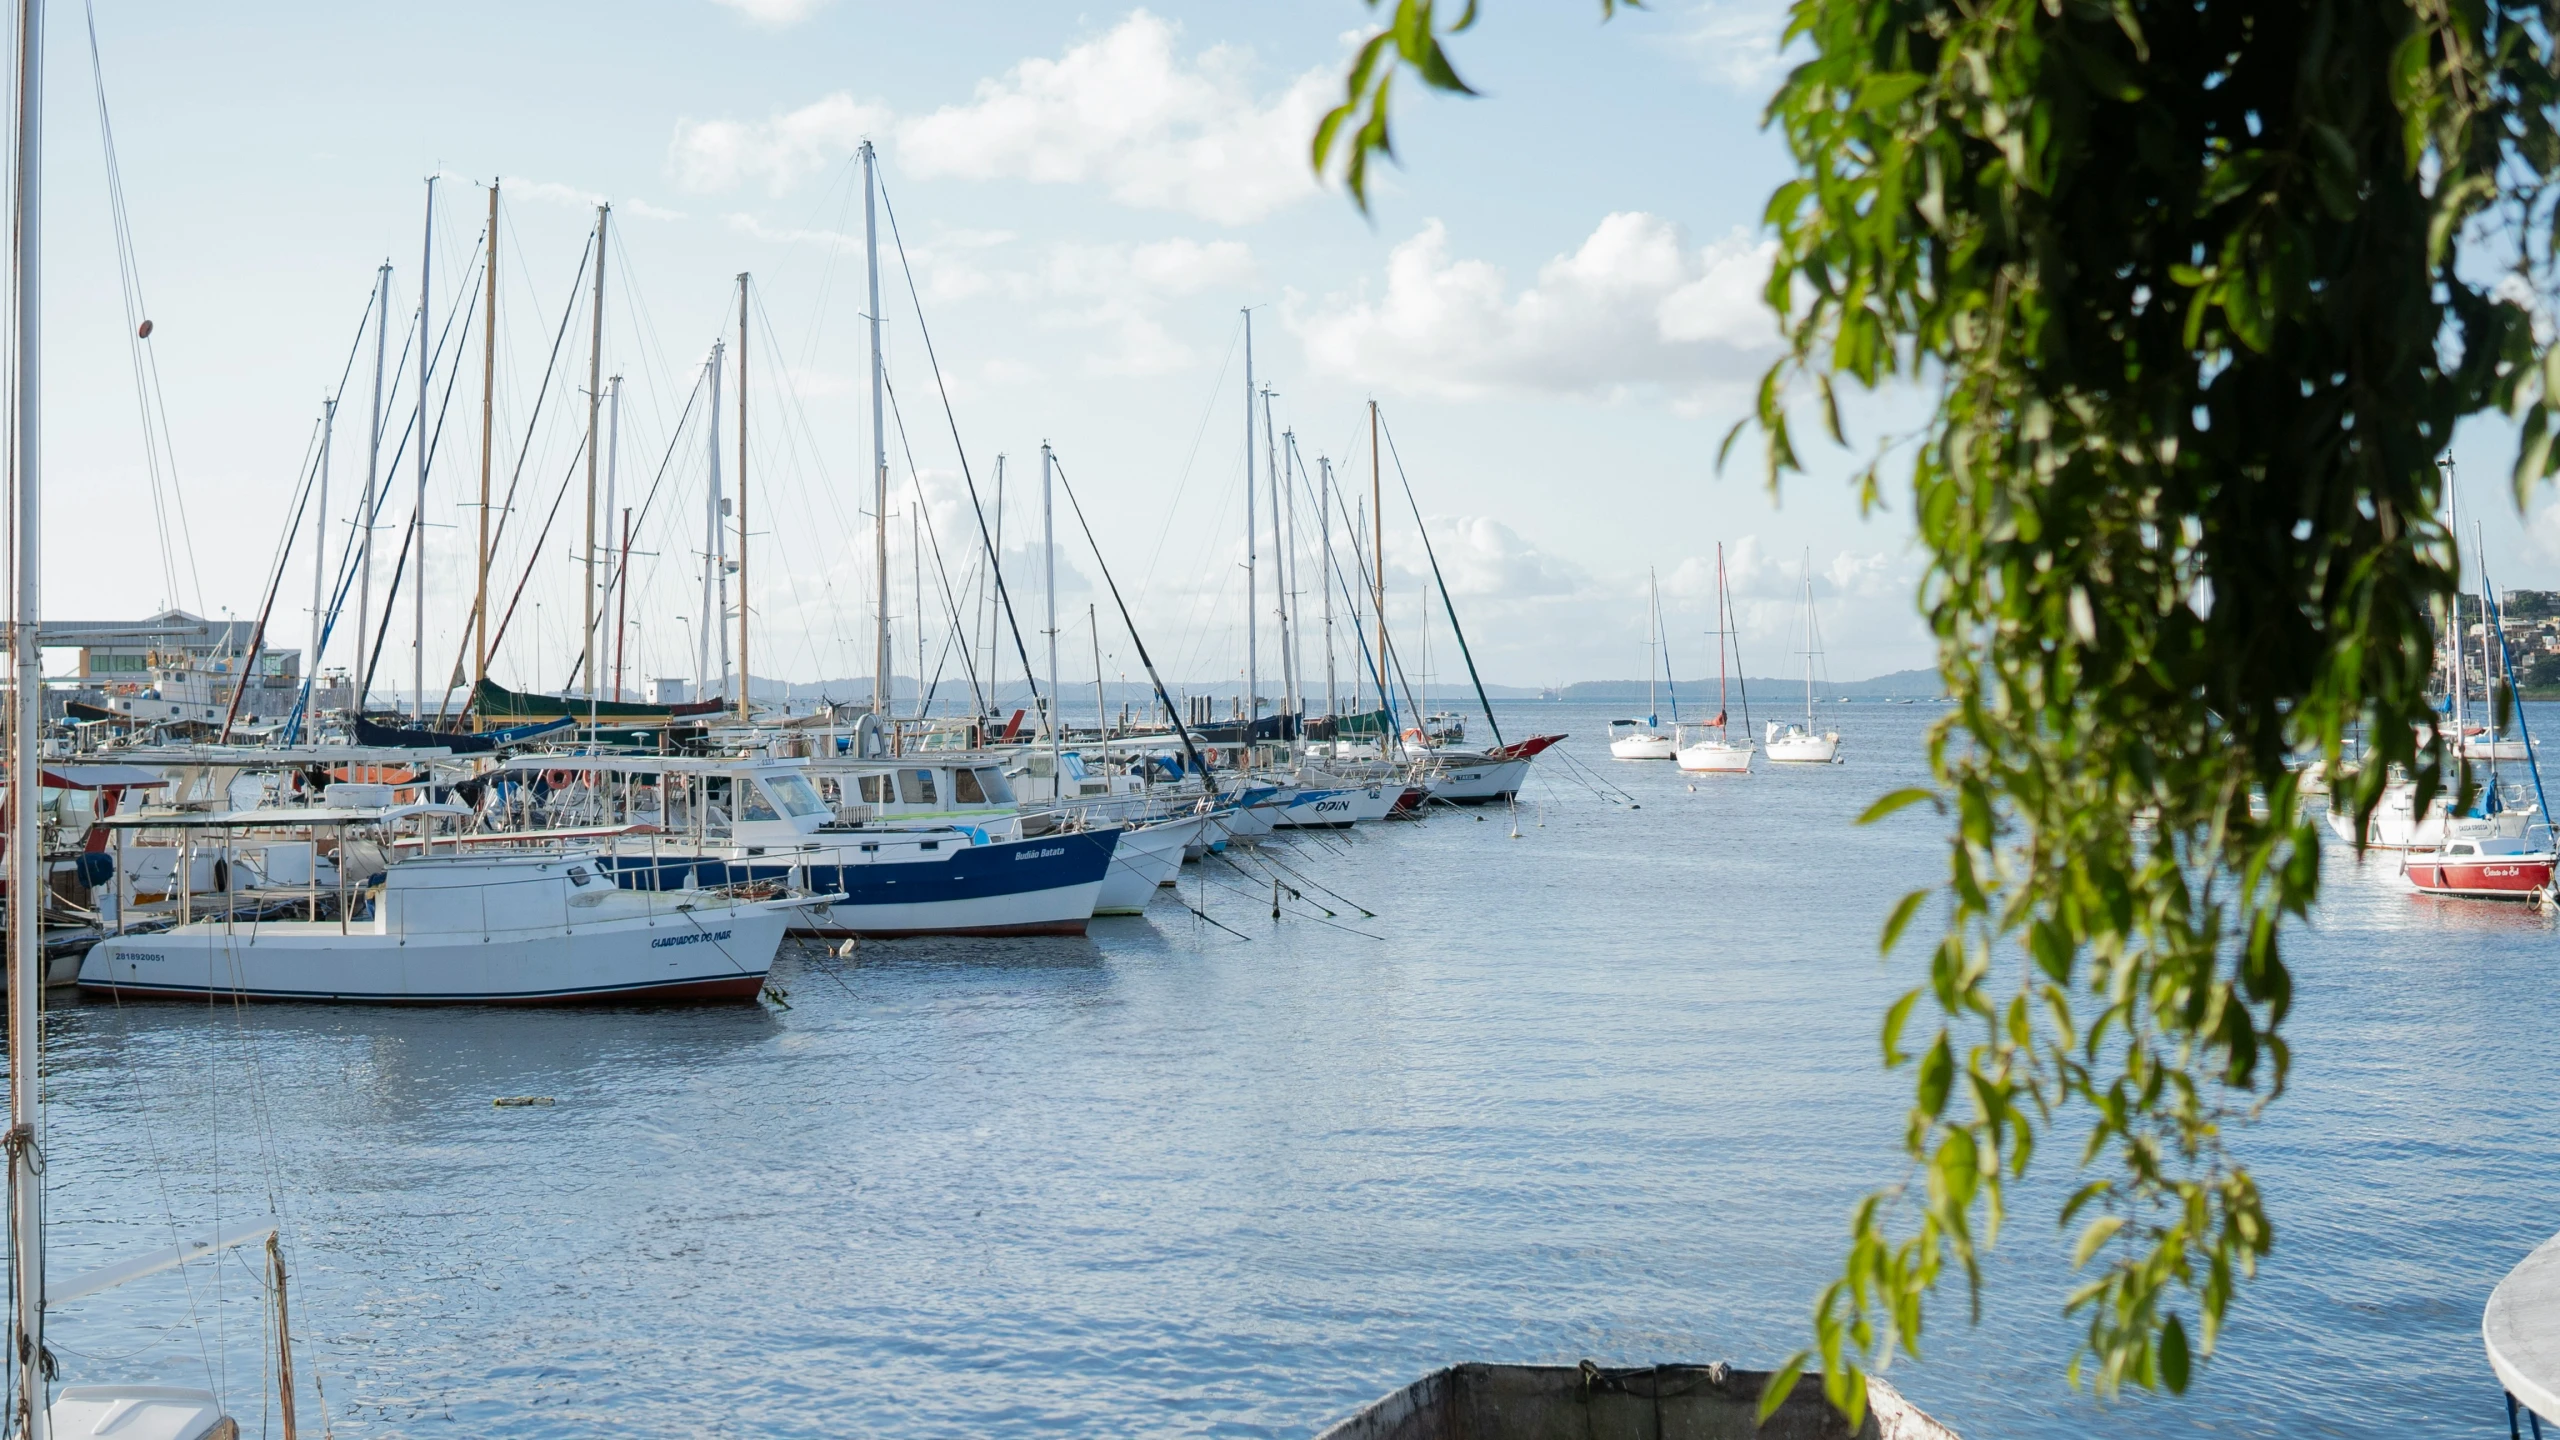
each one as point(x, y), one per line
point(480, 927)
point(1336, 807)
point(1643, 739)
point(1802, 744)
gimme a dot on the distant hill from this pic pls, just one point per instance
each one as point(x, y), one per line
point(1900, 685)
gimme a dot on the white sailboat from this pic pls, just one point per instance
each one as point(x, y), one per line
point(1802, 744)
point(1715, 751)
point(1643, 739)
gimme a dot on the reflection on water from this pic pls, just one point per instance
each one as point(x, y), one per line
point(1607, 1090)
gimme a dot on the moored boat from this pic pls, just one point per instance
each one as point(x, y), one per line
point(475, 928)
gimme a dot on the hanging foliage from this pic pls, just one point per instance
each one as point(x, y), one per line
point(2198, 293)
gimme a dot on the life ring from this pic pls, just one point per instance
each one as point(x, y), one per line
point(559, 779)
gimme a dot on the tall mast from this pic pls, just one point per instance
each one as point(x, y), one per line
point(915, 558)
point(746, 677)
point(595, 405)
point(621, 602)
point(1049, 583)
point(26, 848)
point(320, 540)
point(488, 455)
point(1721, 623)
point(711, 588)
point(370, 510)
point(879, 439)
point(1324, 576)
point(1378, 578)
point(1279, 478)
point(615, 574)
point(1101, 706)
point(1808, 642)
point(1652, 643)
point(995, 567)
point(1252, 594)
point(418, 517)
point(1360, 542)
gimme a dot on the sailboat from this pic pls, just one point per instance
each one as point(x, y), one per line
point(1715, 751)
point(1802, 744)
point(36, 1408)
point(1644, 739)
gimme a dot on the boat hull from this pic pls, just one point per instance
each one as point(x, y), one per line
point(1481, 782)
point(1147, 857)
point(711, 953)
point(1045, 886)
point(1714, 759)
point(1804, 749)
point(2484, 877)
point(1643, 747)
point(1338, 809)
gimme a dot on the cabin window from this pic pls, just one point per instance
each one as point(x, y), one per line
point(876, 790)
point(916, 787)
point(965, 789)
point(753, 805)
point(992, 781)
point(796, 796)
point(2464, 850)
point(715, 792)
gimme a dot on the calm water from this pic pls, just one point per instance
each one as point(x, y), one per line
point(1607, 1089)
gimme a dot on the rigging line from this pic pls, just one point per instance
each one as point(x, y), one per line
point(795, 410)
point(129, 286)
point(524, 451)
point(308, 482)
point(1359, 633)
point(951, 605)
point(1451, 606)
point(417, 518)
point(506, 507)
point(1003, 595)
point(619, 569)
point(1208, 412)
point(500, 638)
point(1181, 726)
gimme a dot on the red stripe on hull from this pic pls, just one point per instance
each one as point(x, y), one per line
point(841, 932)
point(732, 987)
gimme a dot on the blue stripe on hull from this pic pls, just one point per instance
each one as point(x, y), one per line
point(973, 872)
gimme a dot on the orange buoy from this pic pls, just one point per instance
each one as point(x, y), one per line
point(145, 332)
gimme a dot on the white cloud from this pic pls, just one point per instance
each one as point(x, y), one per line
point(1633, 309)
point(1125, 111)
point(776, 13)
point(552, 192)
point(781, 151)
point(1736, 42)
point(1484, 558)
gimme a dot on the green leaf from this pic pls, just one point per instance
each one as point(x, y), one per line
point(1903, 910)
point(1937, 1073)
point(1780, 1386)
point(1893, 802)
point(2094, 1238)
point(1894, 1019)
point(2173, 1356)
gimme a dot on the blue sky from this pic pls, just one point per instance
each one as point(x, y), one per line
point(1554, 304)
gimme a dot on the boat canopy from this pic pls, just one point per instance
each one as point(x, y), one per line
point(280, 815)
point(654, 764)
